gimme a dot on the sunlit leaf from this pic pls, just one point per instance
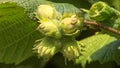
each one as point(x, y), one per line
point(102, 43)
point(17, 34)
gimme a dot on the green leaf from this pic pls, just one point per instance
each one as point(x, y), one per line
point(29, 5)
point(17, 34)
point(61, 5)
point(110, 52)
point(99, 43)
point(70, 5)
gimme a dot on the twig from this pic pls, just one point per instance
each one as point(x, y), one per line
point(102, 26)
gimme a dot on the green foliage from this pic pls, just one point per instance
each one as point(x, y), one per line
point(113, 3)
point(18, 32)
point(65, 6)
point(29, 5)
point(110, 52)
point(100, 11)
point(91, 45)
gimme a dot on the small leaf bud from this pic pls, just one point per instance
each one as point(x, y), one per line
point(100, 11)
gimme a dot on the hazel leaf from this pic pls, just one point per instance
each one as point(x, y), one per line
point(17, 34)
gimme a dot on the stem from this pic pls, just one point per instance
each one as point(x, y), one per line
point(102, 26)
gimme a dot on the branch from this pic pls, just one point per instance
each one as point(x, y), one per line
point(102, 26)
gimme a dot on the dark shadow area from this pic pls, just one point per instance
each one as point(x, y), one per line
point(86, 33)
point(99, 65)
point(32, 62)
point(58, 61)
